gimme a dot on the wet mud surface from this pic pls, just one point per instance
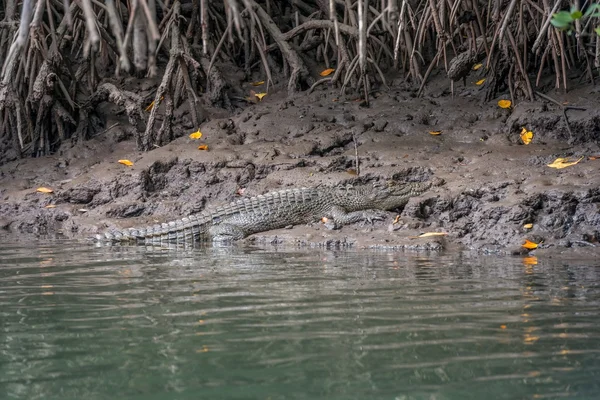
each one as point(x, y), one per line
point(494, 185)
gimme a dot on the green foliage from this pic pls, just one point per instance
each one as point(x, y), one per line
point(564, 20)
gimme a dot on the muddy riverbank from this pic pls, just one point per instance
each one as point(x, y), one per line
point(494, 184)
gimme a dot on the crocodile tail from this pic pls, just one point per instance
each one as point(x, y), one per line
point(181, 230)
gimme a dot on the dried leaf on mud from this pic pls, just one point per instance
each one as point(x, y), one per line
point(561, 163)
point(526, 136)
point(50, 206)
point(435, 133)
point(352, 171)
point(260, 95)
point(530, 260)
point(529, 245)
point(258, 83)
point(528, 226)
point(203, 147)
point(151, 105)
point(44, 190)
point(504, 103)
point(196, 135)
point(429, 234)
point(327, 72)
point(480, 82)
point(396, 220)
point(126, 162)
point(477, 66)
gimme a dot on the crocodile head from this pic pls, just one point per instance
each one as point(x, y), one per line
point(396, 194)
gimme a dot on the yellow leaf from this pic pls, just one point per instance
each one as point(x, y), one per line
point(560, 163)
point(529, 245)
point(151, 105)
point(396, 220)
point(530, 260)
point(260, 95)
point(502, 326)
point(125, 162)
point(258, 83)
point(528, 226)
point(435, 133)
point(44, 190)
point(196, 135)
point(526, 136)
point(327, 72)
point(51, 206)
point(429, 234)
point(203, 147)
point(480, 82)
point(477, 66)
point(504, 103)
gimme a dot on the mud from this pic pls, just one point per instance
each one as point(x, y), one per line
point(494, 184)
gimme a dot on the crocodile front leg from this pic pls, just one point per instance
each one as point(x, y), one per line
point(339, 217)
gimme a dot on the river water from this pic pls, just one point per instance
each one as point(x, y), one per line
point(86, 322)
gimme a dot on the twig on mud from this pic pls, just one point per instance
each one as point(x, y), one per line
point(564, 108)
point(319, 82)
point(356, 158)
point(107, 129)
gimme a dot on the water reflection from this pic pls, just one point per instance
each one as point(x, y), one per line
point(231, 322)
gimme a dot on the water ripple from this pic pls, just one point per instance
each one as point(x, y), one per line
point(83, 321)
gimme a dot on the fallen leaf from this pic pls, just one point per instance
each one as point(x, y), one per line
point(529, 245)
point(502, 326)
point(258, 83)
point(327, 72)
point(528, 226)
point(396, 220)
point(477, 66)
point(526, 136)
point(196, 135)
point(435, 133)
point(51, 206)
point(480, 82)
point(530, 260)
point(324, 220)
point(203, 147)
point(44, 190)
point(504, 103)
point(429, 234)
point(125, 162)
point(151, 105)
point(593, 157)
point(561, 163)
point(351, 171)
point(260, 95)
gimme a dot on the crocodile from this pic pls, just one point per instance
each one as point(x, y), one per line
point(338, 205)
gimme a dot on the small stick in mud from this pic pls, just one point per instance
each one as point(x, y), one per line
point(564, 108)
point(356, 158)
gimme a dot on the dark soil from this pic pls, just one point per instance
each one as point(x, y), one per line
point(494, 184)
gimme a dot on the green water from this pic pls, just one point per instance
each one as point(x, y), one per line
point(85, 322)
